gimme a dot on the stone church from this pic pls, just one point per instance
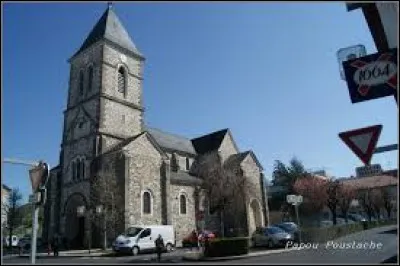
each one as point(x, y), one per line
point(104, 119)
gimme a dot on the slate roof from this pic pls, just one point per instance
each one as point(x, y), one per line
point(371, 181)
point(6, 187)
point(209, 142)
point(236, 159)
point(184, 178)
point(110, 28)
point(122, 144)
point(170, 141)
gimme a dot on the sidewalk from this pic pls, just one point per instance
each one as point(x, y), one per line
point(67, 253)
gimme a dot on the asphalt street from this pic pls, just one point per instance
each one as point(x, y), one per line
point(368, 247)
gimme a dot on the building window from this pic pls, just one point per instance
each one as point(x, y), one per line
point(182, 204)
point(121, 80)
point(90, 78)
point(78, 169)
point(73, 171)
point(187, 164)
point(83, 168)
point(146, 202)
point(81, 83)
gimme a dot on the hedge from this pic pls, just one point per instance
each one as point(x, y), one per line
point(227, 247)
point(320, 235)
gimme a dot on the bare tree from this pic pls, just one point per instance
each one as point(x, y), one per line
point(332, 190)
point(226, 187)
point(387, 202)
point(377, 202)
point(11, 208)
point(366, 200)
point(347, 194)
point(106, 192)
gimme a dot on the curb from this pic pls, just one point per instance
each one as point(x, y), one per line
point(249, 255)
point(9, 256)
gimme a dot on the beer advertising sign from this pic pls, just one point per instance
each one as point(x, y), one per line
point(371, 77)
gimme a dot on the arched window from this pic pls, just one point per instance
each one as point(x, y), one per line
point(81, 83)
point(83, 168)
point(78, 169)
point(90, 78)
point(146, 202)
point(187, 164)
point(121, 80)
point(73, 171)
point(182, 204)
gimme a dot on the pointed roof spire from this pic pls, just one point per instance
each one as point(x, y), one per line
point(110, 28)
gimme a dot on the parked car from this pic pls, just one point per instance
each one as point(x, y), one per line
point(356, 217)
point(291, 228)
point(24, 244)
point(325, 223)
point(270, 236)
point(137, 239)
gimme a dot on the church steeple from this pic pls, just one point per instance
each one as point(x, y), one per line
point(110, 28)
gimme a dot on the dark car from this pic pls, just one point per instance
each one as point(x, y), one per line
point(291, 228)
point(271, 237)
point(24, 245)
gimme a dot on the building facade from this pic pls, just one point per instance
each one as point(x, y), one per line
point(104, 131)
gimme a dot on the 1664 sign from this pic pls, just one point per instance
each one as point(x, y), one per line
point(373, 76)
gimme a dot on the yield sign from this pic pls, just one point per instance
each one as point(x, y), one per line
point(362, 141)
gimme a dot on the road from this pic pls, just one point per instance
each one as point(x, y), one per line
point(384, 246)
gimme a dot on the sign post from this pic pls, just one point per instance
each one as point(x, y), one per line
point(39, 175)
point(362, 141)
point(296, 200)
point(371, 77)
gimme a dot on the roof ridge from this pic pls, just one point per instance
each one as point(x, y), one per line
point(214, 132)
point(162, 131)
point(109, 27)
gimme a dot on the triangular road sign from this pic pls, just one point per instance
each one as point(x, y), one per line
point(362, 141)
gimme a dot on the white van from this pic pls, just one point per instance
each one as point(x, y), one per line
point(141, 238)
point(14, 241)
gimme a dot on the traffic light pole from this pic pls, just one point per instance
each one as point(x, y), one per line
point(35, 214)
point(39, 175)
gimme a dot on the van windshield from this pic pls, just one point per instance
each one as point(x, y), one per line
point(133, 231)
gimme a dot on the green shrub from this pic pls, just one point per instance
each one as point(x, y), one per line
point(227, 247)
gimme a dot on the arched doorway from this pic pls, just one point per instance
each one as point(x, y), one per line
point(254, 216)
point(74, 223)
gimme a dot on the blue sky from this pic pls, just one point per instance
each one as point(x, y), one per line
point(267, 71)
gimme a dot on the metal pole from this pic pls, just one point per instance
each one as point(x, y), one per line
point(298, 220)
point(16, 161)
point(105, 231)
point(35, 214)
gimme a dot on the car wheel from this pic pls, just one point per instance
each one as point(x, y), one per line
point(169, 247)
point(135, 251)
point(270, 244)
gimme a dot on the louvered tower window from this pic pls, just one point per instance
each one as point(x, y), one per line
point(121, 80)
point(81, 83)
point(90, 78)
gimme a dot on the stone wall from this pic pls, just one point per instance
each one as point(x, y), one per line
point(227, 147)
point(90, 57)
point(144, 175)
point(183, 223)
